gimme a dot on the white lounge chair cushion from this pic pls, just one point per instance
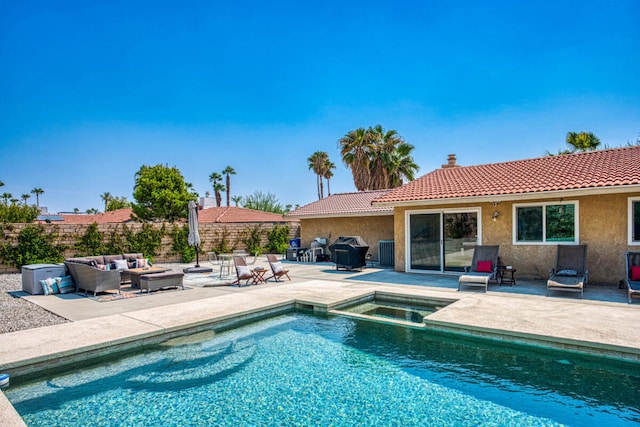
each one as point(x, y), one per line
point(475, 277)
point(277, 267)
point(243, 271)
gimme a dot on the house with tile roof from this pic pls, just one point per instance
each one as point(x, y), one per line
point(346, 214)
point(528, 207)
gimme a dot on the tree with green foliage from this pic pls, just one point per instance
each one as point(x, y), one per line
point(117, 202)
point(18, 213)
point(378, 159)
point(92, 211)
point(25, 197)
point(317, 162)
point(215, 178)
point(6, 196)
point(161, 194)
point(582, 141)
point(328, 174)
point(106, 196)
point(38, 192)
point(236, 200)
point(578, 142)
point(266, 202)
point(228, 171)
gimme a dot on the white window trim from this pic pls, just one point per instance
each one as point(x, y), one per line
point(630, 240)
point(407, 244)
point(514, 215)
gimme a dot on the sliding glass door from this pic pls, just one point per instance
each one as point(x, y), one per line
point(442, 240)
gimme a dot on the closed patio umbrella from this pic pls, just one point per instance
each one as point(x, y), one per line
point(194, 238)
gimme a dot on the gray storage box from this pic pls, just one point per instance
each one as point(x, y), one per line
point(32, 274)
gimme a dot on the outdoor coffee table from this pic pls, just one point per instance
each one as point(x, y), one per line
point(137, 272)
point(258, 275)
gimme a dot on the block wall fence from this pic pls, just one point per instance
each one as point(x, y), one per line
point(210, 236)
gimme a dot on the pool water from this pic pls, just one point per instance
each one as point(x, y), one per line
point(409, 311)
point(300, 370)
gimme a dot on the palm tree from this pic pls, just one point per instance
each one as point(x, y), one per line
point(37, 191)
point(25, 197)
point(1, 184)
point(236, 200)
point(106, 197)
point(76, 210)
point(378, 159)
point(328, 173)
point(215, 179)
point(6, 197)
point(583, 141)
point(355, 149)
point(228, 171)
point(317, 163)
point(92, 211)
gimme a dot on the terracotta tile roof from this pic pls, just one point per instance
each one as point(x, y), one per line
point(231, 214)
point(344, 204)
point(118, 216)
point(596, 169)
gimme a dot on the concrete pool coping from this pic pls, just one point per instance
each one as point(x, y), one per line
point(597, 327)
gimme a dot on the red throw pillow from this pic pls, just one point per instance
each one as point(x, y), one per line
point(635, 272)
point(485, 267)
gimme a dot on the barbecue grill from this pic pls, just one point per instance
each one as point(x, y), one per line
point(349, 252)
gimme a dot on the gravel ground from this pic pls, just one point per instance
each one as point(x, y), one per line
point(17, 313)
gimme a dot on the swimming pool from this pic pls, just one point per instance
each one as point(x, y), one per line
point(300, 369)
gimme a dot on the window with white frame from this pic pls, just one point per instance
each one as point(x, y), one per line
point(634, 220)
point(546, 223)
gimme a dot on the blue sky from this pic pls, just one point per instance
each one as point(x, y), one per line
point(90, 91)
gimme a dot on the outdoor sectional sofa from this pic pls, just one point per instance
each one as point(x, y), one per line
point(91, 274)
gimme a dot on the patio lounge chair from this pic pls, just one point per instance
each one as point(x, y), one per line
point(484, 267)
point(242, 270)
point(276, 268)
point(633, 274)
point(570, 273)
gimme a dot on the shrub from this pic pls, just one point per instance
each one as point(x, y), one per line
point(91, 242)
point(278, 239)
point(34, 247)
point(180, 243)
point(252, 239)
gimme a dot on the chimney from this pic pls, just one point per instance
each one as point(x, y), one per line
point(451, 162)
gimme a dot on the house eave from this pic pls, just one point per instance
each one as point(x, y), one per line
point(578, 192)
point(344, 215)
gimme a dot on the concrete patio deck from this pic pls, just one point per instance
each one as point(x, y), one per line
point(602, 323)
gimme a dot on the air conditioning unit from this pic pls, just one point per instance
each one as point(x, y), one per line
point(386, 257)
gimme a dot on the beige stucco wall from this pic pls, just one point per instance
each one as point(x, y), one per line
point(603, 227)
point(370, 228)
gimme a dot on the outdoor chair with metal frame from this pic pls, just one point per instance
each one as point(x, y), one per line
point(483, 268)
point(632, 279)
point(570, 273)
